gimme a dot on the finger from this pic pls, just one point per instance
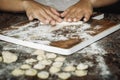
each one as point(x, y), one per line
point(53, 22)
point(55, 11)
point(30, 17)
point(65, 13)
point(86, 17)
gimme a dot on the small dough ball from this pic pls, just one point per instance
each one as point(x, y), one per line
point(82, 66)
point(9, 57)
point(69, 68)
point(25, 66)
point(57, 64)
point(60, 58)
point(51, 55)
point(30, 72)
point(39, 66)
point(54, 70)
point(18, 72)
point(39, 52)
point(64, 75)
point(43, 75)
point(30, 61)
point(81, 73)
point(41, 57)
point(1, 59)
point(46, 62)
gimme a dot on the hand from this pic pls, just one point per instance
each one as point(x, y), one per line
point(41, 12)
point(82, 9)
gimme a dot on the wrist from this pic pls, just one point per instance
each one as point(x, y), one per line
point(25, 4)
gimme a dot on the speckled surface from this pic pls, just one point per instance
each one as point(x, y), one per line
point(110, 45)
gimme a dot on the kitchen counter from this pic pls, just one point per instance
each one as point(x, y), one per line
point(104, 55)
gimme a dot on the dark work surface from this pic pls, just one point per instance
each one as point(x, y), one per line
point(111, 44)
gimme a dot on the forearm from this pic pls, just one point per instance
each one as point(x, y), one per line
point(101, 3)
point(12, 5)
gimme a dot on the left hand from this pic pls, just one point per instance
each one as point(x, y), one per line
point(82, 9)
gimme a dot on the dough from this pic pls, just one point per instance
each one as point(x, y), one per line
point(25, 66)
point(30, 61)
point(60, 58)
point(64, 75)
point(81, 73)
point(41, 57)
point(54, 70)
point(46, 62)
point(39, 52)
point(9, 57)
point(57, 64)
point(43, 75)
point(51, 55)
point(69, 68)
point(39, 66)
point(1, 59)
point(31, 72)
point(18, 72)
point(82, 66)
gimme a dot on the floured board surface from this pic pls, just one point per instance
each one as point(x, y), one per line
point(64, 38)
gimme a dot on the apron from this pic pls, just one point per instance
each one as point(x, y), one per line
point(59, 5)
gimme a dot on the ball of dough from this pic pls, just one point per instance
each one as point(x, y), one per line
point(43, 75)
point(39, 52)
point(54, 70)
point(25, 66)
point(18, 72)
point(9, 57)
point(81, 73)
point(69, 68)
point(39, 66)
point(64, 75)
point(30, 72)
point(82, 66)
point(60, 58)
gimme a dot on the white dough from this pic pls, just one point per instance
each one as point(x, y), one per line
point(57, 64)
point(39, 66)
point(30, 61)
point(81, 73)
point(46, 62)
point(39, 52)
point(1, 59)
point(69, 68)
point(9, 57)
point(40, 57)
point(82, 66)
point(60, 58)
point(51, 55)
point(43, 75)
point(30, 72)
point(18, 72)
point(25, 66)
point(64, 75)
point(54, 70)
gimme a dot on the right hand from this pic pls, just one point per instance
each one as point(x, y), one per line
point(45, 14)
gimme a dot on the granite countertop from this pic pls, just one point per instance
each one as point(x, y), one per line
point(108, 49)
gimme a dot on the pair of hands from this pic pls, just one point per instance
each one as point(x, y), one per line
point(48, 15)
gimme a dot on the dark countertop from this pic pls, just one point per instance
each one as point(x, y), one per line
point(111, 45)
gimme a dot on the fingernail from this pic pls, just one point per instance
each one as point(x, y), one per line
point(69, 20)
point(85, 19)
point(47, 21)
point(74, 19)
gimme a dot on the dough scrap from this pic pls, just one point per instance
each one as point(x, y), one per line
point(69, 68)
point(17, 72)
point(82, 66)
point(39, 66)
point(39, 52)
point(25, 66)
point(60, 58)
point(81, 73)
point(57, 64)
point(64, 75)
point(43, 75)
point(31, 72)
point(9, 57)
point(54, 70)
point(51, 55)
